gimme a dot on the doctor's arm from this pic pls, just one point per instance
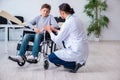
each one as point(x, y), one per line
point(61, 36)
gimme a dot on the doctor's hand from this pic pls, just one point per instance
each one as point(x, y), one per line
point(48, 28)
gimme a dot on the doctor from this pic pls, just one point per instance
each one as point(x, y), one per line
point(75, 51)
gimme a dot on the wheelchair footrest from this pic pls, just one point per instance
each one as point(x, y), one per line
point(15, 60)
point(32, 61)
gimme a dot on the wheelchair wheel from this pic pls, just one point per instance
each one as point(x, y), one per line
point(46, 64)
point(21, 63)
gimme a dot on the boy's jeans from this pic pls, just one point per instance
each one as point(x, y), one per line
point(37, 40)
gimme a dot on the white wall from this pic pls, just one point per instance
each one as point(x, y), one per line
point(113, 12)
point(26, 8)
point(30, 8)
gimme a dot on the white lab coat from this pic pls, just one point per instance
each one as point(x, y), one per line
point(75, 39)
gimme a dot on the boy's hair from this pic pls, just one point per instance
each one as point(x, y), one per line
point(46, 6)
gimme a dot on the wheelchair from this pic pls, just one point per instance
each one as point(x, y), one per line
point(45, 45)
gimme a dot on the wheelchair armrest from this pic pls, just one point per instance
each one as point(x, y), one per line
point(28, 32)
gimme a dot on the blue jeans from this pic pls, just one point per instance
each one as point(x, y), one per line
point(54, 59)
point(28, 37)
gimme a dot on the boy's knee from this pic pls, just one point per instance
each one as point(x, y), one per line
point(26, 36)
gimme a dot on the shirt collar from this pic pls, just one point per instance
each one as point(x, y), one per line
point(68, 16)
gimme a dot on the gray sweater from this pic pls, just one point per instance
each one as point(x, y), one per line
point(39, 21)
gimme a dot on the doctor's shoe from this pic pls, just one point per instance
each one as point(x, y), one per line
point(32, 59)
point(78, 65)
point(58, 65)
point(16, 58)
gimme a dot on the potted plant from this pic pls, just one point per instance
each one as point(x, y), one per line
point(94, 9)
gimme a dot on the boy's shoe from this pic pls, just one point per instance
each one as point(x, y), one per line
point(16, 58)
point(32, 59)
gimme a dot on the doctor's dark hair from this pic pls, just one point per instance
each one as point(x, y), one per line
point(46, 6)
point(66, 8)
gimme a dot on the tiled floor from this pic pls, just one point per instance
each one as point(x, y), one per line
point(102, 64)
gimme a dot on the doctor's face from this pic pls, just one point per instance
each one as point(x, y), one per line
point(62, 14)
point(45, 12)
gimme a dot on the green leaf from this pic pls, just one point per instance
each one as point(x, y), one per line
point(93, 9)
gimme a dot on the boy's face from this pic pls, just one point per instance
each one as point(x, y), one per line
point(45, 12)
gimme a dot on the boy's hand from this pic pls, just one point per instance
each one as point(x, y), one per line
point(36, 29)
